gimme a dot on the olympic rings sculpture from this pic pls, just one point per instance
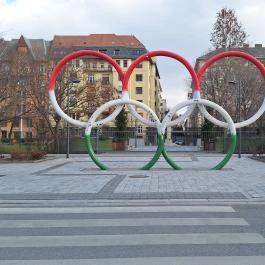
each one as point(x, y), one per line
point(196, 101)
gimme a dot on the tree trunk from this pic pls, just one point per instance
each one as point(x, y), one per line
point(10, 131)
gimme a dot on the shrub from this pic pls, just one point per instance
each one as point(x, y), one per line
point(36, 155)
point(20, 155)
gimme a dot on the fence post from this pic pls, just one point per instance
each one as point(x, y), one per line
point(97, 136)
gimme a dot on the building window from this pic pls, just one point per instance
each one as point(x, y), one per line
point(87, 64)
point(91, 78)
point(29, 122)
point(23, 108)
point(139, 90)
point(102, 65)
point(140, 65)
point(17, 135)
point(136, 52)
point(116, 52)
point(118, 62)
point(29, 135)
point(125, 63)
point(139, 77)
point(42, 68)
point(141, 114)
point(75, 63)
point(139, 129)
point(3, 123)
point(139, 100)
point(4, 134)
point(75, 116)
point(105, 80)
point(103, 50)
point(16, 122)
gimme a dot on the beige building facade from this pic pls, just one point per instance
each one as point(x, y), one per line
point(97, 79)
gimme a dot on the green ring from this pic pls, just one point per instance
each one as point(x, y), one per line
point(229, 153)
point(92, 153)
point(219, 166)
point(170, 161)
point(102, 166)
point(161, 149)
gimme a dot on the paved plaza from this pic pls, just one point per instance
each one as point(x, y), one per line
point(67, 211)
point(78, 177)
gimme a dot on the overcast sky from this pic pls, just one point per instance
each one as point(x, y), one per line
point(183, 27)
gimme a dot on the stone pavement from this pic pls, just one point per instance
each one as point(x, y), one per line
point(78, 178)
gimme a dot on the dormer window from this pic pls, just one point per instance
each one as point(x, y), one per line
point(116, 52)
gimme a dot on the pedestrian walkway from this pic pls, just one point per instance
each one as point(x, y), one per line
point(52, 234)
point(79, 178)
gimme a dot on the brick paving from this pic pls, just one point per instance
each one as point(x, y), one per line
point(79, 177)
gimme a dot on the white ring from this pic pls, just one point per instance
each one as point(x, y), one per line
point(238, 124)
point(60, 112)
point(199, 102)
point(122, 102)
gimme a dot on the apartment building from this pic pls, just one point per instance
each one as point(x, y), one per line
point(97, 80)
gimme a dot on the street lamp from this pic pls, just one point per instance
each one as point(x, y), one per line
point(238, 109)
point(71, 84)
point(20, 84)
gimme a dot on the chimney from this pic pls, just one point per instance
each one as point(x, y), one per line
point(258, 45)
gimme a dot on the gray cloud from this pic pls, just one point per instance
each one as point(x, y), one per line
point(180, 26)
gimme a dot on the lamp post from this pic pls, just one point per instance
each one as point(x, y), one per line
point(238, 109)
point(21, 117)
point(20, 83)
point(72, 82)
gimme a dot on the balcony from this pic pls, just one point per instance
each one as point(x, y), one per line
point(97, 69)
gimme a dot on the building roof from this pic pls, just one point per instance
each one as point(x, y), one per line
point(258, 52)
point(97, 40)
point(38, 48)
point(117, 46)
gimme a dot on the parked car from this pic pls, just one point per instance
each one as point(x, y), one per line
point(179, 140)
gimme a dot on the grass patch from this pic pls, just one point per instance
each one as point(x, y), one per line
point(79, 145)
point(10, 148)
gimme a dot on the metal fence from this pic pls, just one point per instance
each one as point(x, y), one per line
point(252, 141)
point(208, 141)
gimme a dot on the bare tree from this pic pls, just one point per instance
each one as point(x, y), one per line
point(222, 82)
point(231, 81)
point(14, 77)
point(98, 93)
point(78, 100)
point(227, 30)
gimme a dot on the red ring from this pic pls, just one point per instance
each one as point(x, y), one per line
point(166, 54)
point(221, 55)
point(80, 53)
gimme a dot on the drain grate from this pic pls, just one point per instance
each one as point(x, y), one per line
point(138, 176)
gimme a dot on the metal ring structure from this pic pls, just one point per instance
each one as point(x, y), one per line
point(148, 56)
point(57, 70)
point(248, 57)
point(215, 106)
point(122, 102)
point(161, 127)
